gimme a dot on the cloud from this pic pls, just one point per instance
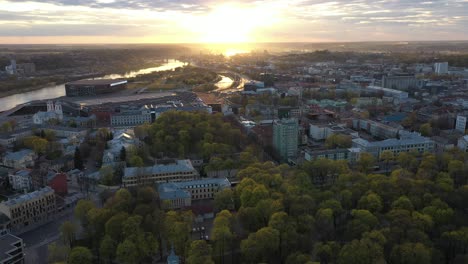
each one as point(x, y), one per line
point(297, 20)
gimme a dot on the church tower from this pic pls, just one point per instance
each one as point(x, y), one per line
point(50, 106)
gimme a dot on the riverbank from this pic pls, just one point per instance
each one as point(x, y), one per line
point(12, 87)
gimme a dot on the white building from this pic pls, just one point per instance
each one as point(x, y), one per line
point(460, 125)
point(131, 118)
point(122, 138)
point(441, 67)
point(463, 143)
point(171, 171)
point(407, 143)
point(21, 180)
point(53, 112)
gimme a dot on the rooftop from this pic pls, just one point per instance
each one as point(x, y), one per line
point(177, 166)
point(98, 82)
point(6, 242)
point(18, 154)
point(29, 196)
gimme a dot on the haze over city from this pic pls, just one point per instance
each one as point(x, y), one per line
point(206, 21)
point(233, 132)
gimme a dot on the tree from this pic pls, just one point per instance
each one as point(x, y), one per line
point(224, 199)
point(68, 232)
point(338, 141)
point(387, 156)
point(366, 162)
point(199, 253)
point(78, 160)
point(123, 154)
point(371, 202)
point(107, 249)
point(410, 253)
point(136, 161)
point(221, 233)
point(127, 252)
point(426, 130)
point(361, 251)
point(107, 175)
point(259, 246)
point(80, 255)
point(57, 253)
point(81, 210)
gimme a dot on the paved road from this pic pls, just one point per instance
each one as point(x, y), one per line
point(38, 239)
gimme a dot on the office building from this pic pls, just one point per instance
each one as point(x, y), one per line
point(441, 67)
point(11, 248)
point(94, 87)
point(181, 194)
point(30, 209)
point(400, 82)
point(377, 129)
point(166, 171)
point(285, 138)
point(460, 125)
point(396, 94)
point(350, 155)
point(407, 143)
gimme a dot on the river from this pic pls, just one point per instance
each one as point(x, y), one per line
point(55, 91)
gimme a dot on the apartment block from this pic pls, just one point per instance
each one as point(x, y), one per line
point(29, 209)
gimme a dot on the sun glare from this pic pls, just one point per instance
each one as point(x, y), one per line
point(229, 24)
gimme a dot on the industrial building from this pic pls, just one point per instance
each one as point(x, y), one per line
point(94, 87)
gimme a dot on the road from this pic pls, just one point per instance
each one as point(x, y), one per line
point(37, 240)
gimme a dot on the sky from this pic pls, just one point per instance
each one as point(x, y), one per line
point(209, 21)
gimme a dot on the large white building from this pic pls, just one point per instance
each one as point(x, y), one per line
point(54, 111)
point(167, 171)
point(407, 143)
point(441, 67)
point(131, 118)
point(181, 194)
point(30, 209)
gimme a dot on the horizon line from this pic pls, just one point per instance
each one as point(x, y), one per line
point(239, 43)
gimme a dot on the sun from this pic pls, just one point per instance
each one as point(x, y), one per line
point(228, 24)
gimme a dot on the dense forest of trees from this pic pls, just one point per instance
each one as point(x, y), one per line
point(183, 134)
point(417, 214)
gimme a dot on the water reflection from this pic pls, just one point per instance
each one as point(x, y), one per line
point(55, 91)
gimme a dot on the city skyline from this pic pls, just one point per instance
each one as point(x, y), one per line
point(205, 21)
